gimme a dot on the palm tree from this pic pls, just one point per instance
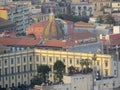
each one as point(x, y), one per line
point(94, 58)
point(82, 63)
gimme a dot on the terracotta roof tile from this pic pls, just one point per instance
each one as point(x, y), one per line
point(81, 36)
point(58, 43)
point(83, 24)
point(19, 41)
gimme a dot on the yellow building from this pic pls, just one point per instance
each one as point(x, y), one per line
point(19, 67)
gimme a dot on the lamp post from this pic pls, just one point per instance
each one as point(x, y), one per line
point(94, 75)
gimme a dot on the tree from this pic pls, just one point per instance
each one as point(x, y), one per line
point(59, 69)
point(82, 63)
point(73, 18)
point(43, 70)
point(86, 63)
point(71, 70)
point(36, 80)
point(105, 19)
point(99, 19)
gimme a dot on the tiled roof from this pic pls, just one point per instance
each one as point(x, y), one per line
point(58, 43)
point(80, 36)
point(114, 39)
point(83, 24)
point(19, 41)
point(39, 24)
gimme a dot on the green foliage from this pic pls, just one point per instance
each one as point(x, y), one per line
point(36, 80)
point(86, 63)
point(72, 70)
point(43, 70)
point(73, 18)
point(103, 7)
point(41, 77)
point(105, 19)
point(59, 70)
point(86, 70)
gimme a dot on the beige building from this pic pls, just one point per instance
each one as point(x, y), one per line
point(19, 67)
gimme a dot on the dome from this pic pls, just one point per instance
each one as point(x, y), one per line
point(52, 30)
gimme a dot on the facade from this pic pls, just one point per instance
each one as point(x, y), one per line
point(17, 13)
point(81, 8)
point(58, 8)
point(115, 6)
point(7, 26)
point(18, 68)
point(98, 4)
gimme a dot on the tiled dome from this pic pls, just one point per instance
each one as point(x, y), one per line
point(52, 29)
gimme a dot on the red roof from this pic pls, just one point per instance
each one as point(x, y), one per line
point(114, 39)
point(81, 36)
point(58, 43)
point(19, 41)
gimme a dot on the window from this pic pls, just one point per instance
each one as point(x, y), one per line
point(79, 8)
point(106, 72)
point(5, 62)
point(12, 60)
point(12, 70)
point(6, 71)
point(30, 67)
point(24, 68)
point(25, 75)
point(6, 85)
point(63, 59)
point(115, 72)
point(98, 63)
point(24, 58)
point(18, 76)
point(50, 59)
point(43, 58)
point(37, 58)
point(77, 61)
point(106, 63)
point(18, 60)
point(70, 61)
point(12, 77)
point(30, 58)
point(12, 84)
point(18, 83)
point(18, 69)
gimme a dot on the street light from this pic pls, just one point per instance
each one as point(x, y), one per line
point(94, 71)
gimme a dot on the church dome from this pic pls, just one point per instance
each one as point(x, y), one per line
point(52, 30)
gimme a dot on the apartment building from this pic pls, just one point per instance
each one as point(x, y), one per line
point(82, 8)
point(17, 13)
point(18, 68)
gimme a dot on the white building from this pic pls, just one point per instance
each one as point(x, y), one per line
point(82, 8)
point(17, 12)
point(72, 82)
point(116, 29)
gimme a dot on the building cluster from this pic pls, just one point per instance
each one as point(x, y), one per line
point(31, 35)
